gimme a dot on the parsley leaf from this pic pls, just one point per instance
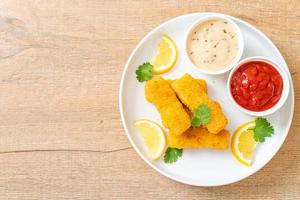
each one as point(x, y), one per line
point(144, 72)
point(262, 129)
point(172, 155)
point(201, 116)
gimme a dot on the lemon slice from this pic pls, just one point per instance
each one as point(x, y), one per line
point(243, 143)
point(166, 56)
point(153, 136)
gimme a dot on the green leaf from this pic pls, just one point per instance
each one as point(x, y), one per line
point(172, 155)
point(262, 129)
point(201, 116)
point(144, 72)
point(196, 122)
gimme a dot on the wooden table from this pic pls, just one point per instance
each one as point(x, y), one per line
point(61, 134)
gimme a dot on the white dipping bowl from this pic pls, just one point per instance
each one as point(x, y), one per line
point(284, 94)
point(238, 34)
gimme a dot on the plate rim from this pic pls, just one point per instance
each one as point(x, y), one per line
point(133, 52)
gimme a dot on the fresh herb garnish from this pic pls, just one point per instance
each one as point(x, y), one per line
point(172, 155)
point(144, 72)
point(201, 116)
point(262, 129)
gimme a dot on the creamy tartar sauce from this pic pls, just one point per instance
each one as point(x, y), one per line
point(213, 45)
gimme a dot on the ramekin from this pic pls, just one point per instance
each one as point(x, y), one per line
point(238, 34)
point(284, 94)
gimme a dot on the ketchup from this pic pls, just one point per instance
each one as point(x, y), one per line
point(256, 86)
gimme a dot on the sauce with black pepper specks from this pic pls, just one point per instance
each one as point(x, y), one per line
point(213, 45)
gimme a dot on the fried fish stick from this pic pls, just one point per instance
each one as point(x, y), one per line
point(203, 84)
point(192, 94)
point(199, 138)
point(159, 92)
point(200, 81)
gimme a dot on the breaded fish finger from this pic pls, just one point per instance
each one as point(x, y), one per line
point(203, 84)
point(159, 92)
point(200, 81)
point(192, 94)
point(199, 138)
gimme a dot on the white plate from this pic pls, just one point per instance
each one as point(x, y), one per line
point(203, 167)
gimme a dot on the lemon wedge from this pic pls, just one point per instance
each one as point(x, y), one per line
point(153, 136)
point(166, 56)
point(243, 143)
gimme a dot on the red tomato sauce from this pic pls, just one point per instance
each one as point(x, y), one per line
point(256, 86)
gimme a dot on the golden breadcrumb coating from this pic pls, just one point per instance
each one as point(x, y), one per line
point(199, 138)
point(159, 92)
point(200, 81)
point(191, 93)
point(203, 84)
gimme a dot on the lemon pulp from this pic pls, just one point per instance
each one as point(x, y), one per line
point(153, 136)
point(243, 143)
point(166, 56)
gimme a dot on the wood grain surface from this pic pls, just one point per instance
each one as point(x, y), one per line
point(60, 131)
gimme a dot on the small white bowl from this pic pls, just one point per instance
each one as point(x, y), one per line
point(284, 94)
point(238, 34)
